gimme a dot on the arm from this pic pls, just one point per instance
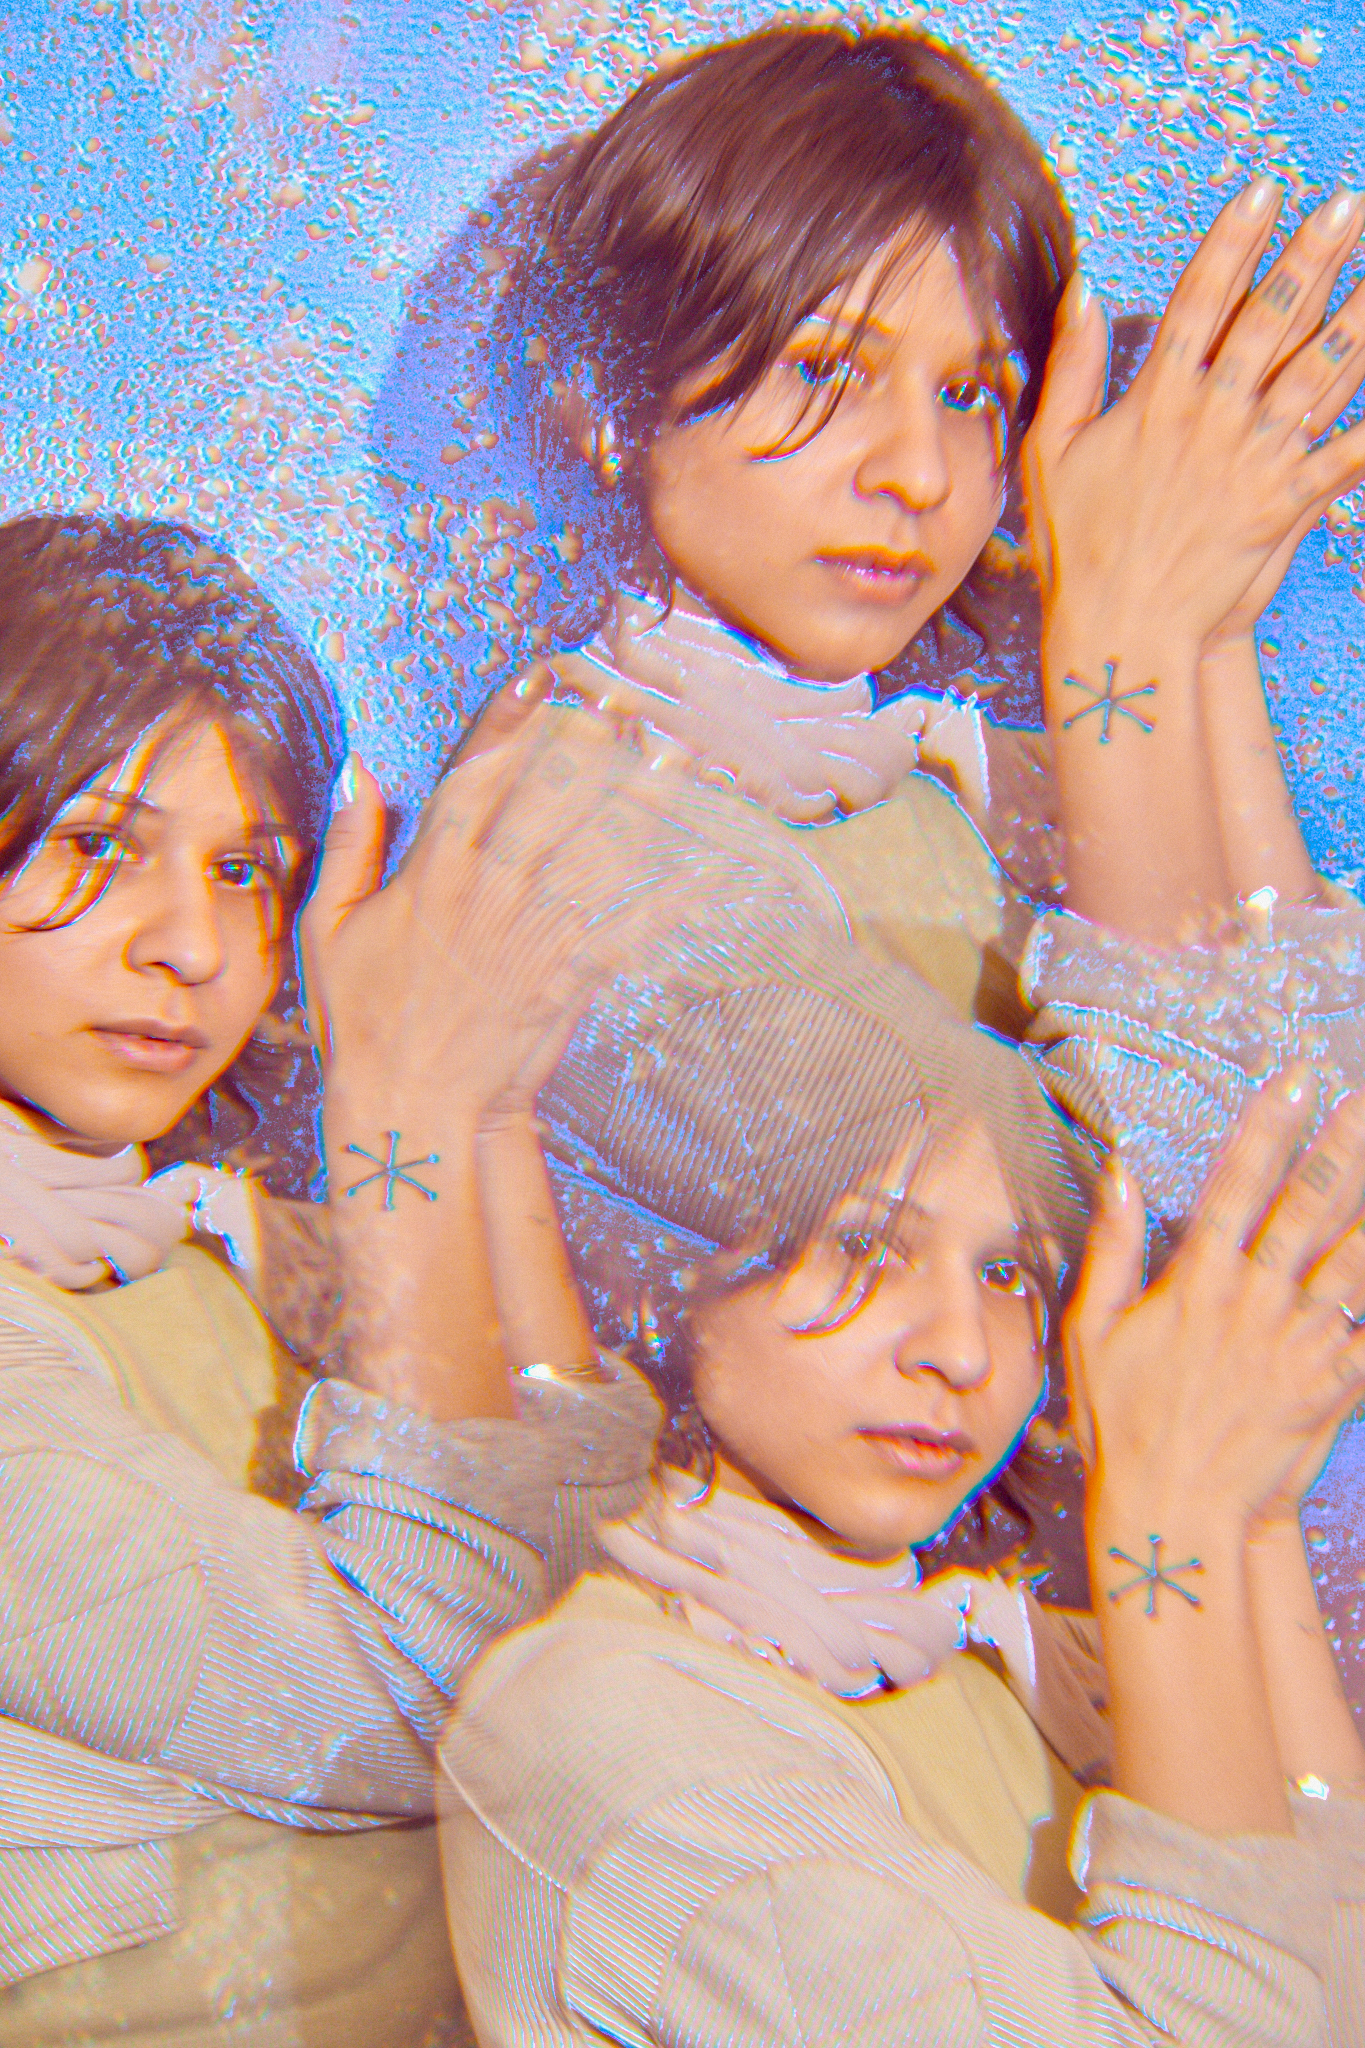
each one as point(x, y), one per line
point(436, 992)
point(540, 1310)
point(1262, 844)
point(1315, 1731)
point(297, 1664)
point(1200, 1403)
point(1154, 523)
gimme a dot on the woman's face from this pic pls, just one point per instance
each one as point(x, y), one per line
point(118, 1019)
point(837, 553)
point(898, 1411)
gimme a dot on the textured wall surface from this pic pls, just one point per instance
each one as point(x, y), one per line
point(209, 215)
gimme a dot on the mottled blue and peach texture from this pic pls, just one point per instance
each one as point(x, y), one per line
point(210, 216)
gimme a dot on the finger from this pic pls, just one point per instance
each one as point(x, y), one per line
point(62, 1272)
point(1338, 1279)
point(547, 751)
point(551, 1047)
point(1319, 1196)
point(1212, 285)
point(1073, 386)
point(1332, 469)
point(130, 1254)
point(1111, 1271)
point(1289, 302)
point(1252, 1164)
point(1311, 390)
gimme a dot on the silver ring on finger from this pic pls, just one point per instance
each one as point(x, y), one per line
point(1353, 1321)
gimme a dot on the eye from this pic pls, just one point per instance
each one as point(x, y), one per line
point(820, 371)
point(97, 844)
point(249, 872)
point(1006, 1276)
point(968, 395)
point(860, 1247)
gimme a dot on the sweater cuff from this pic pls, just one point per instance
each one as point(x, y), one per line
point(1334, 1828)
point(511, 1473)
point(1132, 1864)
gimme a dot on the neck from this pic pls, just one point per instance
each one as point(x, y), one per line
point(688, 603)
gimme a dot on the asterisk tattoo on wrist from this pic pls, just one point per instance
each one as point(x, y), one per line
point(1155, 1574)
point(1109, 703)
point(393, 1170)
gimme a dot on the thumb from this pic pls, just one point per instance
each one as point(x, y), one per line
point(352, 852)
point(1077, 369)
point(1111, 1272)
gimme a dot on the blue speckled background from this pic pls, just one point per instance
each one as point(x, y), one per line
point(210, 214)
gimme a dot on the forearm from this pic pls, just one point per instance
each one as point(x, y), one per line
point(1193, 1733)
point(540, 1311)
point(1262, 844)
point(1137, 811)
point(1315, 1730)
point(419, 1321)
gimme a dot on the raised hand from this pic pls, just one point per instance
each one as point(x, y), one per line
point(1192, 491)
point(1201, 1403)
point(1157, 527)
point(1226, 1380)
point(534, 876)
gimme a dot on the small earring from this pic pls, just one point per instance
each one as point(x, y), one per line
point(605, 454)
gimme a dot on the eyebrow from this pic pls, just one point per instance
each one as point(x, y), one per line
point(126, 800)
point(984, 358)
point(884, 1200)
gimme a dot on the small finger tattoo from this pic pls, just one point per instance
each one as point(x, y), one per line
point(1319, 1174)
point(1280, 292)
point(1155, 1574)
point(1109, 703)
point(1337, 345)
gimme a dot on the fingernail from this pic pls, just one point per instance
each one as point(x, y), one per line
point(344, 793)
point(1120, 1180)
point(1338, 212)
point(1082, 287)
point(1258, 197)
point(1294, 1082)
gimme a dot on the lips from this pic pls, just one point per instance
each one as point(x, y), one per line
point(150, 1045)
point(878, 574)
point(919, 1452)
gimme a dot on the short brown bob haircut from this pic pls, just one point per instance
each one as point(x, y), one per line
point(109, 628)
point(676, 248)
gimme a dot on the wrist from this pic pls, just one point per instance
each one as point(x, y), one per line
point(1108, 626)
point(1130, 1517)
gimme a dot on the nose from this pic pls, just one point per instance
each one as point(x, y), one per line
point(947, 1334)
point(905, 457)
point(176, 930)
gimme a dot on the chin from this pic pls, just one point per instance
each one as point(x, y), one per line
point(133, 1119)
point(834, 652)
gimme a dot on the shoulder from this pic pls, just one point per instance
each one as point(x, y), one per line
point(607, 1706)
